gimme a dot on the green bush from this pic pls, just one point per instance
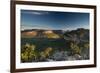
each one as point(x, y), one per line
point(28, 52)
point(75, 48)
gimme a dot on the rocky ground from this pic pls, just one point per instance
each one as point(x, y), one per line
point(65, 56)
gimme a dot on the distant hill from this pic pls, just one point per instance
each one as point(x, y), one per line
point(39, 33)
point(77, 34)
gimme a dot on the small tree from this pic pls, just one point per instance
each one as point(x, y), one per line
point(28, 52)
point(75, 48)
point(46, 53)
point(86, 45)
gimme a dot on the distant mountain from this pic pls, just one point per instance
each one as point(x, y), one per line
point(78, 35)
point(75, 35)
point(39, 33)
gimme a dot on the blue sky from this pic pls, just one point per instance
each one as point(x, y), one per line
point(32, 19)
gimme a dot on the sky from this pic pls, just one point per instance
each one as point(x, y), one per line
point(32, 19)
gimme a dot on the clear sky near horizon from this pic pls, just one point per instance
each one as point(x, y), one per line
point(32, 19)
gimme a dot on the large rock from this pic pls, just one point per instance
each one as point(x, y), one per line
point(60, 55)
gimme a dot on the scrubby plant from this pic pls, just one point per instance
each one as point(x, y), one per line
point(28, 52)
point(46, 53)
point(75, 48)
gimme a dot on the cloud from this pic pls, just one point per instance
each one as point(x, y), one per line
point(23, 27)
point(35, 12)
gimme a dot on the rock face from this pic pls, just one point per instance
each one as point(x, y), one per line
point(60, 55)
point(65, 56)
point(85, 54)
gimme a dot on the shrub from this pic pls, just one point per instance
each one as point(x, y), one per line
point(28, 52)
